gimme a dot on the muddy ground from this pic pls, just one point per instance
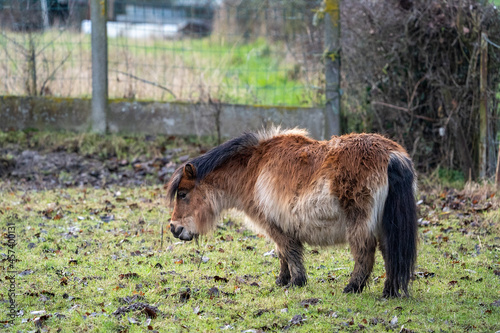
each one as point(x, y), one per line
point(32, 169)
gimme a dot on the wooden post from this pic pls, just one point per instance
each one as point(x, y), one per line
point(99, 40)
point(483, 108)
point(332, 68)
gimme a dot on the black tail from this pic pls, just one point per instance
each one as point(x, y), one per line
point(400, 226)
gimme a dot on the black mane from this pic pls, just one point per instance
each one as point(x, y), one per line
point(212, 159)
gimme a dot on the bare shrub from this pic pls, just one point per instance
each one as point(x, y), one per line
point(411, 70)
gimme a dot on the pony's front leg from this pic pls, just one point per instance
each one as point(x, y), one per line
point(284, 276)
point(290, 252)
point(292, 271)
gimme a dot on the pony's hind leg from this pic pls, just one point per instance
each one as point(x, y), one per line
point(363, 250)
point(391, 288)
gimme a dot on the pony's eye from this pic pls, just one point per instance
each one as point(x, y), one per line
point(181, 195)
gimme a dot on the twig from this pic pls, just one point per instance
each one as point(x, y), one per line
point(161, 243)
point(146, 81)
point(415, 91)
point(410, 102)
point(53, 72)
point(415, 145)
point(14, 62)
point(21, 47)
point(201, 259)
point(489, 41)
point(51, 42)
point(403, 109)
point(218, 110)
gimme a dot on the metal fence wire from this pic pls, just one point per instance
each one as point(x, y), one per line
point(259, 52)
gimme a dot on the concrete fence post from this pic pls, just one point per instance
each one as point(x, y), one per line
point(99, 40)
point(332, 68)
point(483, 108)
point(45, 14)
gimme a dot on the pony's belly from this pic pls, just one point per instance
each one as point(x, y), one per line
point(323, 232)
point(318, 217)
point(314, 216)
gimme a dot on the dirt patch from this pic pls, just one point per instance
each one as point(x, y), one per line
point(38, 170)
point(149, 310)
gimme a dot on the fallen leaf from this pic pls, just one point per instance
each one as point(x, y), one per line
point(424, 274)
point(39, 320)
point(107, 218)
point(213, 292)
point(270, 253)
point(185, 295)
point(25, 272)
point(260, 312)
point(63, 281)
point(128, 275)
point(148, 310)
point(37, 313)
point(218, 279)
point(310, 301)
point(297, 319)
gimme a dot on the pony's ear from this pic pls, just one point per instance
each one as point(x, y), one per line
point(189, 171)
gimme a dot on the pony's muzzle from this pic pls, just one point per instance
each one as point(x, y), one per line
point(176, 231)
point(181, 233)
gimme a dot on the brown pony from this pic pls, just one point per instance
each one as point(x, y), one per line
point(357, 188)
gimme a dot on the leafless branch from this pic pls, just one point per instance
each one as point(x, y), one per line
point(395, 107)
point(17, 44)
point(146, 81)
point(51, 76)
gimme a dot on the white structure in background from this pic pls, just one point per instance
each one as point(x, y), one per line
point(135, 30)
point(160, 22)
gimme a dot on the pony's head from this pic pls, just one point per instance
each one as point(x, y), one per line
point(196, 198)
point(193, 214)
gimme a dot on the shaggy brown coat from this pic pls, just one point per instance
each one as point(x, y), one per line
point(298, 190)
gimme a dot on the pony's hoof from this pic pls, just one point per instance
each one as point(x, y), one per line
point(353, 289)
point(282, 281)
point(298, 282)
point(391, 293)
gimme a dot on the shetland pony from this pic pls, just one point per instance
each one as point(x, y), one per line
point(357, 188)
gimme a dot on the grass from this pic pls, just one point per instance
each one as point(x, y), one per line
point(82, 250)
point(236, 71)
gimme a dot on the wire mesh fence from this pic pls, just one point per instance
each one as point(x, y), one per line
point(260, 52)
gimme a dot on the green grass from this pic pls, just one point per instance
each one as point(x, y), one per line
point(237, 71)
point(76, 261)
